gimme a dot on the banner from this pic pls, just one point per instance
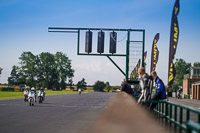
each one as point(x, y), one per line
point(154, 53)
point(174, 35)
point(134, 73)
point(145, 55)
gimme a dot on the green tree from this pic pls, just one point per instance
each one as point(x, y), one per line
point(196, 64)
point(28, 68)
point(99, 86)
point(14, 76)
point(70, 83)
point(82, 84)
point(0, 70)
point(107, 86)
point(182, 68)
point(63, 68)
point(43, 70)
point(47, 73)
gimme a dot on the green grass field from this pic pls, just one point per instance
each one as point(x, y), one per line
point(12, 95)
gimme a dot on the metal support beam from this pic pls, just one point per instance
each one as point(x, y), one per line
point(105, 29)
point(102, 54)
point(78, 42)
point(116, 66)
point(64, 31)
point(143, 65)
point(127, 54)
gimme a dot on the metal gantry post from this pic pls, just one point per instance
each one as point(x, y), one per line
point(127, 54)
point(143, 48)
point(78, 43)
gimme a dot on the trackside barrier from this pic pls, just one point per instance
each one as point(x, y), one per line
point(170, 111)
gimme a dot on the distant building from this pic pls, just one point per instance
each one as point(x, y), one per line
point(196, 90)
point(189, 79)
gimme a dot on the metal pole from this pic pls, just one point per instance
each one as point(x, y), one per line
point(105, 29)
point(143, 48)
point(78, 42)
point(116, 66)
point(127, 54)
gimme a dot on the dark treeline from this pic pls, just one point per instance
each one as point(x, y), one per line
point(0, 70)
point(52, 71)
point(182, 67)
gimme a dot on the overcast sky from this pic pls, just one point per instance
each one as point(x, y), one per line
point(24, 27)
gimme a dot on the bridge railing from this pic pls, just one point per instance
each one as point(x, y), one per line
point(174, 113)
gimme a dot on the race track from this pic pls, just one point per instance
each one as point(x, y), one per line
point(71, 113)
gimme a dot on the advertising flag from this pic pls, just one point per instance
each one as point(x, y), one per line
point(145, 55)
point(154, 53)
point(174, 35)
point(134, 73)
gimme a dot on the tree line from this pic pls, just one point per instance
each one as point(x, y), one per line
point(44, 70)
point(1, 70)
point(182, 68)
point(98, 86)
point(51, 71)
point(54, 71)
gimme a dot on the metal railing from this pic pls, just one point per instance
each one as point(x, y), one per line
point(193, 127)
point(174, 113)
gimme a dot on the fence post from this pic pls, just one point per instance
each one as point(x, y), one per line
point(188, 116)
point(181, 118)
point(166, 109)
point(170, 111)
point(159, 107)
point(163, 108)
point(175, 113)
point(199, 118)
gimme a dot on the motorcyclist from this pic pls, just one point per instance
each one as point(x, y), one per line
point(34, 90)
point(42, 90)
point(25, 93)
point(25, 90)
point(79, 90)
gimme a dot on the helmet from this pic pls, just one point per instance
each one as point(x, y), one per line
point(32, 89)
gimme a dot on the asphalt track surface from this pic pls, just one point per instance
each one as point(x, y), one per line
point(70, 113)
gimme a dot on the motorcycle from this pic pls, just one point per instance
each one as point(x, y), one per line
point(41, 96)
point(31, 98)
point(25, 95)
point(79, 91)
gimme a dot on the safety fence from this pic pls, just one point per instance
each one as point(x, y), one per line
point(11, 89)
point(184, 117)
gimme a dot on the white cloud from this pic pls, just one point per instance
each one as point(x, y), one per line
point(97, 70)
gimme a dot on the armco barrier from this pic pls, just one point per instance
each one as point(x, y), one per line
point(7, 89)
point(17, 89)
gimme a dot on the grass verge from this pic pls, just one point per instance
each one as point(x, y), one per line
point(12, 95)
